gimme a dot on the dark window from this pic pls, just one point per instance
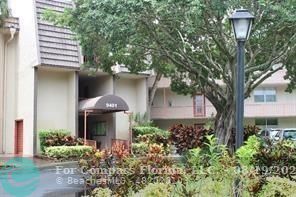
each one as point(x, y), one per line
point(272, 121)
point(100, 129)
point(266, 122)
point(259, 98)
point(260, 122)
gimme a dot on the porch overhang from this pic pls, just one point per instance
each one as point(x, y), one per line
point(103, 104)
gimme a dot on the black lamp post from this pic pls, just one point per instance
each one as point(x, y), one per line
point(241, 21)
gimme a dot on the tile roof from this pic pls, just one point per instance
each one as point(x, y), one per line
point(57, 45)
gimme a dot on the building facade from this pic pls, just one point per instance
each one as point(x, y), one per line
point(268, 106)
point(42, 83)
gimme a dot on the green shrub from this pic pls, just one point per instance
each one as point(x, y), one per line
point(67, 151)
point(277, 186)
point(276, 159)
point(247, 152)
point(143, 130)
point(141, 120)
point(140, 149)
point(210, 155)
point(158, 137)
point(134, 172)
point(155, 190)
point(205, 187)
point(152, 135)
point(102, 192)
point(58, 137)
point(187, 137)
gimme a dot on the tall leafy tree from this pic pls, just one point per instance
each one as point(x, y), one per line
point(190, 41)
point(4, 12)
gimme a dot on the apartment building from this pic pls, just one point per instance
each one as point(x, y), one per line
point(42, 84)
point(268, 106)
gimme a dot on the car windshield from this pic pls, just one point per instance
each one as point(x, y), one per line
point(290, 134)
point(273, 133)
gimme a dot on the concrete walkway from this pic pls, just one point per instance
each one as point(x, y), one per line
point(40, 163)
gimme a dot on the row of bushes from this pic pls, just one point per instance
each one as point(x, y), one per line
point(58, 137)
point(182, 136)
point(59, 144)
point(208, 169)
point(66, 152)
point(144, 130)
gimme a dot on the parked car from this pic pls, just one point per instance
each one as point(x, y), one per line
point(286, 134)
point(270, 133)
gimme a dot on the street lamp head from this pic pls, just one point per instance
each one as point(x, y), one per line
point(241, 21)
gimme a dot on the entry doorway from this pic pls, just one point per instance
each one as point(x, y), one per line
point(19, 136)
point(100, 128)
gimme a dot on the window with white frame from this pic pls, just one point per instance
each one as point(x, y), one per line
point(265, 95)
point(266, 122)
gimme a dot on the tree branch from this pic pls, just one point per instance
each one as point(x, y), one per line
point(250, 87)
point(154, 88)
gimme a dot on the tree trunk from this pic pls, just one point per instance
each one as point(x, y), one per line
point(154, 88)
point(224, 125)
point(152, 92)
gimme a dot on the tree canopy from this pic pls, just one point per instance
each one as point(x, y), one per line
point(4, 12)
point(190, 41)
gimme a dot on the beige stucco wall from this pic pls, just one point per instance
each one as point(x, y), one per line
point(126, 89)
point(142, 95)
point(165, 95)
point(1, 88)
point(10, 95)
point(8, 84)
point(287, 122)
point(56, 99)
point(134, 92)
point(21, 89)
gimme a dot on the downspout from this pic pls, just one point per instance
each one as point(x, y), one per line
point(12, 31)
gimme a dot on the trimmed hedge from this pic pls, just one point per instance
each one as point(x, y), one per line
point(146, 130)
point(67, 151)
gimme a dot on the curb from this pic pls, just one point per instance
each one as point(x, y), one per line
point(50, 165)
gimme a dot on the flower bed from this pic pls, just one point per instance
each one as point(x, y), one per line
point(208, 169)
point(57, 138)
